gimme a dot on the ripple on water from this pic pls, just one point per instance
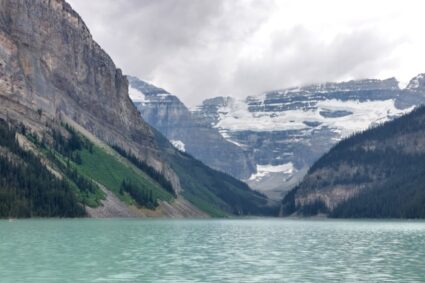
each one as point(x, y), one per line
point(260, 250)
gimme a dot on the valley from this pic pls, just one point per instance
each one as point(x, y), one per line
point(122, 147)
point(278, 134)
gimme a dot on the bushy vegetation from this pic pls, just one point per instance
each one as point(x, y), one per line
point(70, 147)
point(150, 171)
point(65, 153)
point(27, 188)
point(143, 197)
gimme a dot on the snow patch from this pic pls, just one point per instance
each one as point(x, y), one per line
point(179, 145)
point(265, 170)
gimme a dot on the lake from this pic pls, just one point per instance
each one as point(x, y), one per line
point(245, 250)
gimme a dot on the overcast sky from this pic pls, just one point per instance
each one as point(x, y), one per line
point(204, 48)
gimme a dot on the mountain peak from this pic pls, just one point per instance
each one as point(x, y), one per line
point(352, 85)
point(187, 132)
point(417, 82)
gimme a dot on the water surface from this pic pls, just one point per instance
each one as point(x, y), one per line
point(247, 250)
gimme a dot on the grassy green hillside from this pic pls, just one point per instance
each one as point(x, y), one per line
point(62, 172)
point(106, 167)
point(110, 171)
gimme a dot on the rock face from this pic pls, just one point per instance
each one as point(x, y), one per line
point(52, 71)
point(285, 131)
point(51, 65)
point(276, 136)
point(172, 118)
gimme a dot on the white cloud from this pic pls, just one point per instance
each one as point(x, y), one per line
point(200, 48)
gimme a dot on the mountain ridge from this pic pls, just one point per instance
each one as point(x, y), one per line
point(172, 118)
point(282, 132)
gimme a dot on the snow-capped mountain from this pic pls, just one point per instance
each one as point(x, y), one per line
point(285, 131)
point(271, 140)
point(172, 118)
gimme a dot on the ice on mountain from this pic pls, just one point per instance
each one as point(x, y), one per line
point(179, 145)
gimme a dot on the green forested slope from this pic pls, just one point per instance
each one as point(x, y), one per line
point(27, 188)
point(384, 166)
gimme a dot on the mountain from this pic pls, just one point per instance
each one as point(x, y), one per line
point(285, 131)
point(67, 103)
point(172, 118)
point(276, 136)
point(378, 173)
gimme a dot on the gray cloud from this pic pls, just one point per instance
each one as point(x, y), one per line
point(298, 57)
point(200, 48)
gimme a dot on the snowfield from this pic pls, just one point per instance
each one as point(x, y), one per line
point(361, 115)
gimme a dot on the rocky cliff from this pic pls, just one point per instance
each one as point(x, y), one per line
point(172, 118)
point(51, 65)
point(53, 72)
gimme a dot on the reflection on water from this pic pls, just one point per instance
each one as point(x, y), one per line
point(258, 250)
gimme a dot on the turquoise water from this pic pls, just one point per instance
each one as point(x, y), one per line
point(258, 250)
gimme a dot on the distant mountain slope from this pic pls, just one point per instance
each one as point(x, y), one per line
point(57, 79)
point(378, 173)
point(215, 192)
point(172, 118)
point(285, 131)
point(275, 136)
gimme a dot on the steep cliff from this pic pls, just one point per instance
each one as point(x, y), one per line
point(51, 64)
point(52, 72)
point(172, 118)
